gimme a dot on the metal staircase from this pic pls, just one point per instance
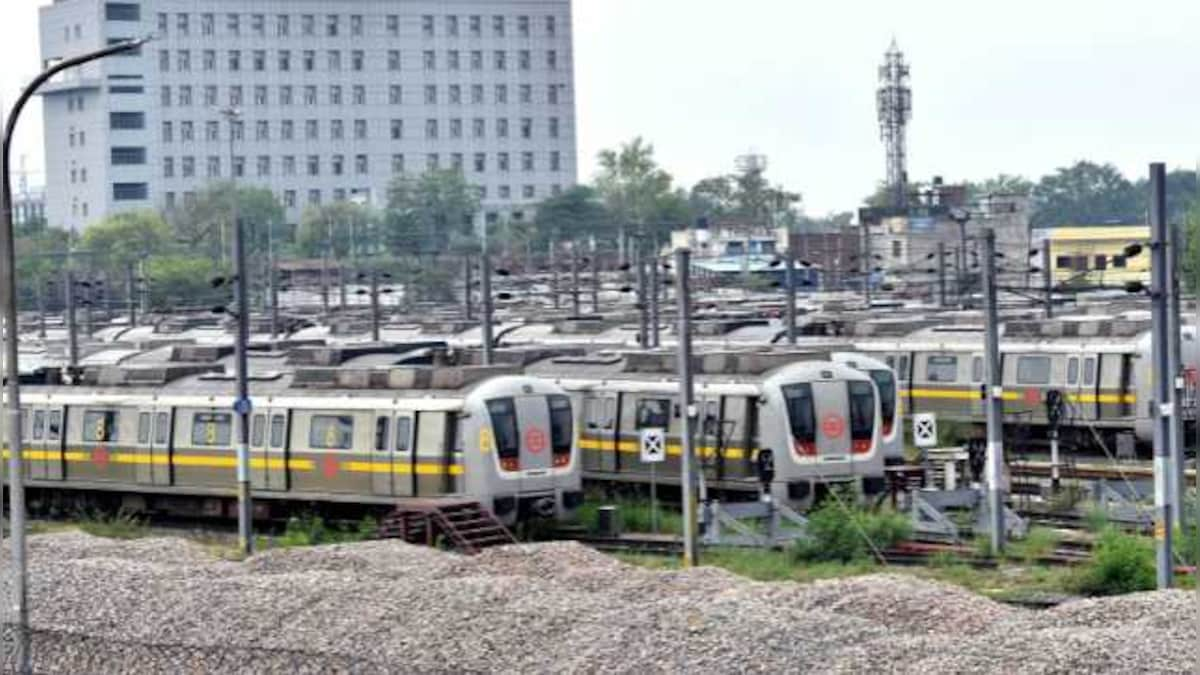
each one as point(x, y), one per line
point(462, 525)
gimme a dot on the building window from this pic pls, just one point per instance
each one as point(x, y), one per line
point(360, 165)
point(552, 94)
point(289, 199)
point(552, 60)
point(235, 95)
point(331, 25)
point(360, 129)
point(360, 94)
point(551, 26)
point(502, 128)
point(208, 60)
point(128, 155)
point(395, 94)
point(432, 162)
point(262, 130)
point(282, 25)
point(429, 58)
point(337, 165)
point(555, 161)
point(430, 94)
point(168, 133)
point(310, 130)
point(129, 191)
point(314, 197)
point(289, 165)
point(286, 130)
point(523, 59)
point(235, 61)
point(897, 248)
point(502, 161)
point(523, 26)
point(397, 163)
point(427, 25)
point(183, 60)
point(239, 166)
point(476, 60)
point(336, 130)
point(452, 61)
point(553, 127)
point(308, 24)
point(164, 22)
point(498, 26)
point(478, 125)
point(210, 95)
point(356, 24)
point(232, 24)
point(397, 128)
point(126, 120)
point(504, 192)
point(452, 26)
point(285, 60)
point(455, 94)
point(475, 25)
point(122, 11)
point(310, 94)
point(260, 94)
point(263, 165)
point(393, 25)
point(1063, 262)
point(357, 60)
point(527, 161)
point(393, 59)
point(526, 127)
point(168, 167)
point(335, 94)
point(501, 59)
point(259, 60)
point(212, 131)
point(431, 129)
point(165, 97)
point(186, 131)
point(314, 165)
point(187, 166)
point(527, 192)
point(258, 24)
point(169, 199)
point(477, 93)
point(1118, 261)
point(285, 95)
point(207, 24)
point(333, 60)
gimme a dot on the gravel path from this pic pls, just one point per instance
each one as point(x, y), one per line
point(165, 605)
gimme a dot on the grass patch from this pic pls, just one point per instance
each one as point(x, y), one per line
point(1039, 543)
point(635, 513)
point(841, 531)
point(311, 530)
point(1121, 563)
point(120, 525)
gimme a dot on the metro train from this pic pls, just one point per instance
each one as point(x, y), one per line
point(163, 438)
point(820, 420)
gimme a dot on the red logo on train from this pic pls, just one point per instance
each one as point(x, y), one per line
point(535, 440)
point(100, 456)
point(329, 466)
point(833, 426)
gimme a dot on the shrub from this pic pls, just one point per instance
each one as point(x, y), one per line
point(121, 525)
point(1121, 563)
point(841, 532)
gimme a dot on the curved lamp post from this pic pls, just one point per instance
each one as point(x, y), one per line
point(8, 291)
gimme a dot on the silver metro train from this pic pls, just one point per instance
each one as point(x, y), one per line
point(162, 437)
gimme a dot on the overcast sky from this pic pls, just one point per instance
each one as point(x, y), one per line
point(1021, 87)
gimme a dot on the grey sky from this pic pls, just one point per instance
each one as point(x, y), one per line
point(1016, 87)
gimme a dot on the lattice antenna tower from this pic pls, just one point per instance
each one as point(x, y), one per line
point(750, 163)
point(894, 103)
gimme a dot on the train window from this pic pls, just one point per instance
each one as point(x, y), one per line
point(886, 383)
point(890, 361)
point(1073, 370)
point(1033, 370)
point(277, 430)
point(403, 434)
point(561, 424)
point(331, 432)
point(904, 367)
point(381, 434)
point(941, 369)
point(653, 413)
point(1089, 370)
point(39, 424)
point(100, 426)
point(504, 426)
point(26, 423)
point(54, 426)
point(802, 416)
point(162, 428)
point(258, 430)
point(862, 415)
point(977, 369)
point(143, 437)
point(711, 424)
point(212, 429)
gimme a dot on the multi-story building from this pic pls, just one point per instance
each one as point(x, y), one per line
point(333, 99)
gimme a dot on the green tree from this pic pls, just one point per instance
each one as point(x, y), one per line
point(1000, 184)
point(203, 223)
point(431, 213)
point(633, 186)
point(1086, 193)
point(174, 281)
point(124, 238)
point(40, 253)
point(353, 228)
point(713, 197)
point(575, 215)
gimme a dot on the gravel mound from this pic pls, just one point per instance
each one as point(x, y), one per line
point(164, 605)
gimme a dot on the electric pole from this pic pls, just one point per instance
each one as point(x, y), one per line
point(789, 280)
point(1161, 408)
point(994, 397)
point(691, 556)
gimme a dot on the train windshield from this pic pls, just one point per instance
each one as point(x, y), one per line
point(503, 412)
point(886, 382)
point(862, 416)
point(562, 428)
point(801, 417)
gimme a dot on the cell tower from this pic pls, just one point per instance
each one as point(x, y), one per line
point(894, 102)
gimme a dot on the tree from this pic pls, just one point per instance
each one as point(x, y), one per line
point(574, 215)
point(354, 230)
point(713, 197)
point(1002, 184)
point(1086, 194)
point(203, 223)
point(125, 238)
point(40, 254)
point(1182, 191)
point(175, 281)
point(431, 213)
point(632, 185)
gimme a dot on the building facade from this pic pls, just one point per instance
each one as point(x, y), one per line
point(332, 100)
point(1094, 255)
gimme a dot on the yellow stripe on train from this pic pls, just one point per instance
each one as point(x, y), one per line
point(634, 447)
point(223, 462)
point(1011, 395)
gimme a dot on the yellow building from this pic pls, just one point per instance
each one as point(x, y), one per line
point(1095, 254)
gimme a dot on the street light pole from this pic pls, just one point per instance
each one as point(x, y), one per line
point(8, 298)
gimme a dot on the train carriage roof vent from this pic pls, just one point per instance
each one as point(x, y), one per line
point(145, 376)
point(194, 353)
point(336, 356)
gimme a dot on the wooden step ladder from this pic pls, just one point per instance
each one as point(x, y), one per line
point(463, 524)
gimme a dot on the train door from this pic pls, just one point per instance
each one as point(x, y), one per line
point(601, 439)
point(535, 433)
point(153, 456)
point(432, 454)
point(711, 441)
point(268, 451)
point(46, 441)
point(1090, 385)
point(830, 403)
